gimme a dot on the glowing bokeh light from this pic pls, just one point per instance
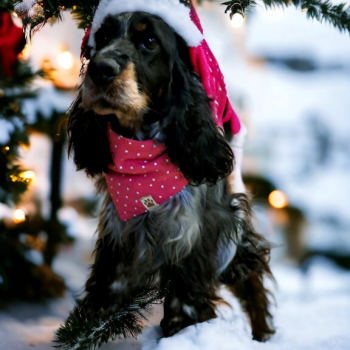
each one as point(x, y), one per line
point(24, 55)
point(278, 199)
point(237, 20)
point(65, 60)
point(29, 175)
point(19, 216)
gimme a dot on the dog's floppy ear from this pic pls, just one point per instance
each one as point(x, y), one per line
point(194, 142)
point(88, 141)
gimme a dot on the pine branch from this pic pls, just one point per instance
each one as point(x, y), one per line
point(238, 6)
point(35, 14)
point(12, 92)
point(83, 331)
point(322, 11)
point(23, 77)
point(6, 5)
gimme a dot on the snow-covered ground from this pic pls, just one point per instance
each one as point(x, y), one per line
point(311, 313)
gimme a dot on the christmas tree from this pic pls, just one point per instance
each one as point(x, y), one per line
point(20, 277)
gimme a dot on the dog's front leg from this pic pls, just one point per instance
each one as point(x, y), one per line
point(100, 288)
point(190, 298)
point(111, 286)
point(244, 277)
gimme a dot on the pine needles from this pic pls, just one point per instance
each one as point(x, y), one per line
point(40, 12)
point(84, 10)
point(322, 11)
point(238, 6)
point(337, 15)
point(88, 332)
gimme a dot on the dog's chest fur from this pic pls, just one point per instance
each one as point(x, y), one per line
point(194, 221)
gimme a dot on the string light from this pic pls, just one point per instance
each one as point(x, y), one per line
point(24, 146)
point(19, 216)
point(65, 60)
point(237, 20)
point(24, 55)
point(28, 175)
point(25, 177)
point(278, 199)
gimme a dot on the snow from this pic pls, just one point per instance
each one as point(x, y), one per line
point(7, 128)
point(76, 225)
point(288, 33)
point(311, 313)
point(25, 5)
point(47, 101)
point(5, 212)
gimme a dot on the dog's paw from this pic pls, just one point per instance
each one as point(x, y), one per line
point(175, 325)
point(186, 317)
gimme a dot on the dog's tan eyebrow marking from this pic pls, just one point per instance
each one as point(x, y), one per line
point(141, 27)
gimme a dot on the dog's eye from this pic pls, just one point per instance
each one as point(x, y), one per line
point(149, 44)
point(105, 39)
point(102, 39)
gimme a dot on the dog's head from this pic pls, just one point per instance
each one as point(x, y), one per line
point(140, 77)
point(131, 70)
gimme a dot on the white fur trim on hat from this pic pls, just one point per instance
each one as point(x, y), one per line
point(174, 13)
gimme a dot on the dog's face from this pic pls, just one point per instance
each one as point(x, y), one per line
point(141, 80)
point(130, 72)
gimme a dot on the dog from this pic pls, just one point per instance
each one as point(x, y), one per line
point(140, 84)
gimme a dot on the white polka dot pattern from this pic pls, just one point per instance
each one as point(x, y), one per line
point(132, 162)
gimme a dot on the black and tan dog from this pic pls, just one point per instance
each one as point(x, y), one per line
point(140, 80)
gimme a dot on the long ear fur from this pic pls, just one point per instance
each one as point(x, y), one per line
point(194, 142)
point(87, 140)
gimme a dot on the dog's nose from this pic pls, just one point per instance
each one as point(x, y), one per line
point(102, 72)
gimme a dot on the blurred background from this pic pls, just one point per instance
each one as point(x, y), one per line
point(289, 81)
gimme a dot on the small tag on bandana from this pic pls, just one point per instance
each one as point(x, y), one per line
point(148, 202)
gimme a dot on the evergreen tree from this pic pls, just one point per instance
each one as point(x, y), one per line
point(19, 277)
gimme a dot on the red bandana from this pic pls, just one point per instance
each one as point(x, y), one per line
point(141, 176)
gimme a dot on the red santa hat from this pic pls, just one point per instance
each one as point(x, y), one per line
point(182, 17)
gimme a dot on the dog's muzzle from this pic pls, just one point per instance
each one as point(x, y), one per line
point(102, 72)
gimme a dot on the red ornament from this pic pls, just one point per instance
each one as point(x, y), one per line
point(12, 42)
